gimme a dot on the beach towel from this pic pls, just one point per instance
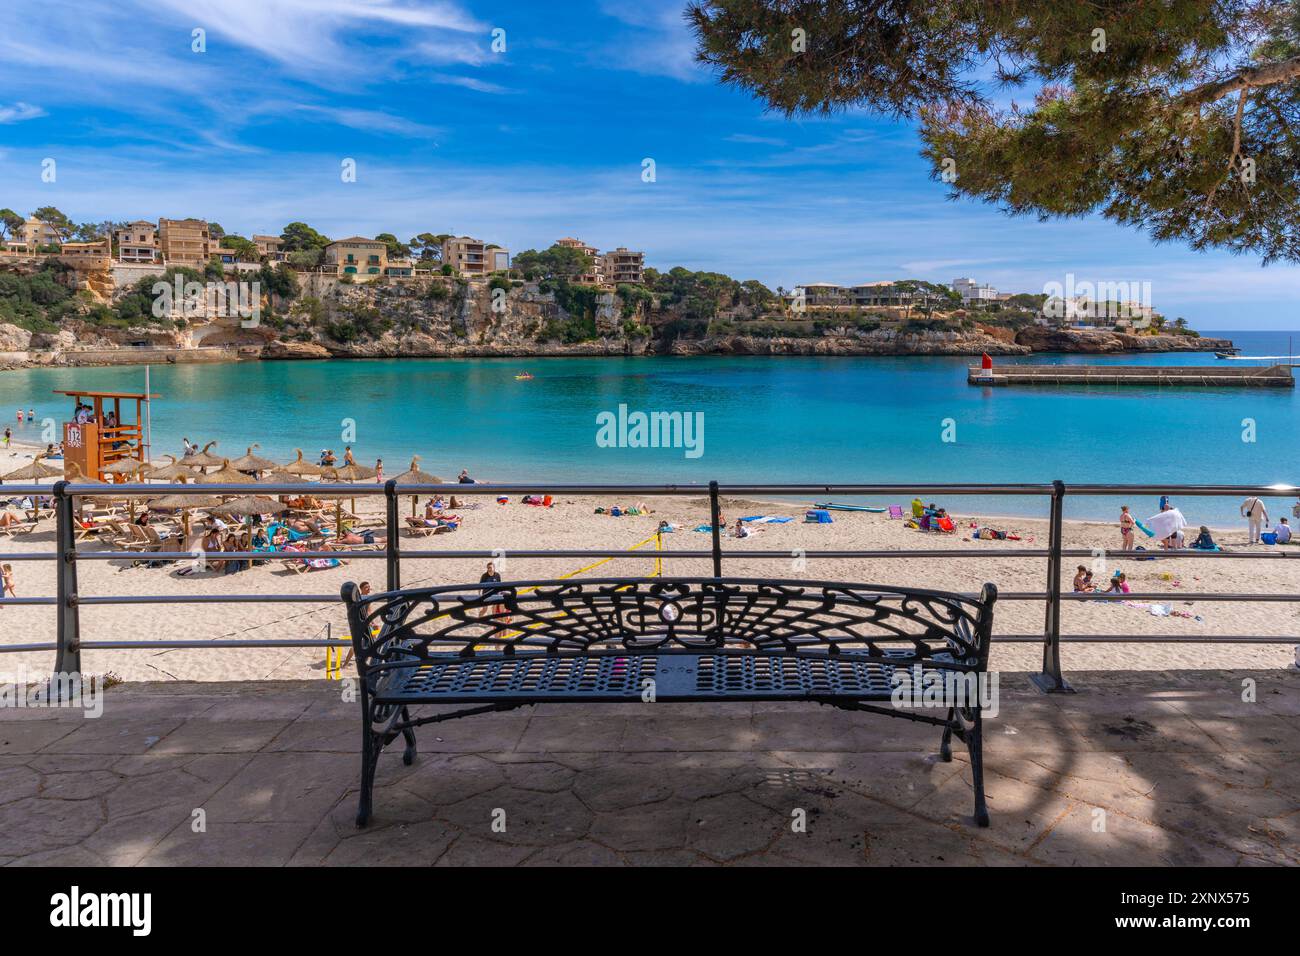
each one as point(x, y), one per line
point(1167, 523)
point(817, 516)
point(767, 519)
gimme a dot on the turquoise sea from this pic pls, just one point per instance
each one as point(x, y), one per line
point(850, 419)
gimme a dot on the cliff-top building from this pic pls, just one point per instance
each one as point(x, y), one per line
point(473, 257)
point(624, 265)
point(137, 242)
point(185, 242)
point(357, 256)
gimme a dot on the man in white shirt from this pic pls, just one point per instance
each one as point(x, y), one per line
point(1283, 532)
point(1256, 515)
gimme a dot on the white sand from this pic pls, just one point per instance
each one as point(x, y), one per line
point(572, 524)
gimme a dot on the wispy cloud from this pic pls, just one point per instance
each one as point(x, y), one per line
point(19, 112)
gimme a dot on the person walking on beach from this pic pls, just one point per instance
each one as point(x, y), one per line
point(379, 470)
point(491, 576)
point(1126, 523)
point(1253, 510)
point(7, 581)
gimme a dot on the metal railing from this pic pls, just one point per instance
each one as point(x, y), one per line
point(68, 644)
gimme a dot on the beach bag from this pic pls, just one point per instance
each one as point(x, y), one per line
point(817, 516)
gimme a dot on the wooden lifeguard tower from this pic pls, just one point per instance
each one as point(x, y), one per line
point(92, 443)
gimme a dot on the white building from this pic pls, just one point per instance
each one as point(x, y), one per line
point(972, 292)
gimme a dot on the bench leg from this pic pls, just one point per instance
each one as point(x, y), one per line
point(975, 743)
point(408, 755)
point(370, 746)
point(945, 746)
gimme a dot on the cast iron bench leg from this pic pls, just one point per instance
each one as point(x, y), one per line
point(370, 747)
point(408, 755)
point(975, 742)
point(945, 747)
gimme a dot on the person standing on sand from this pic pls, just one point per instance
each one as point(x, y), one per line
point(8, 434)
point(1253, 510)
point(379, 470)
point(7, 581)
point(1126, 523)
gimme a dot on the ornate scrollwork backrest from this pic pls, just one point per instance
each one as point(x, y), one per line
point(655, 615)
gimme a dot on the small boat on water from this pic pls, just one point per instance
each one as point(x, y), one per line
point(524, 377)
point(1227, 353)
point(833, 506)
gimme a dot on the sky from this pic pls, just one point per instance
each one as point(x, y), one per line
point(519, 123)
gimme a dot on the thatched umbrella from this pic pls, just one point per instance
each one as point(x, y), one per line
point(300, 466)
point(33, 471)
point(414, 476)
point(171, 471)
point(184, 503)
point(251, 462)
point(75, 475)
point(227, 474)
point(350, 473)
point(201, 459)
point(124, 466)
point(249, 505)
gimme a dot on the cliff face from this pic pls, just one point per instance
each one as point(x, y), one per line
point(1042, 339)
point(447, 317)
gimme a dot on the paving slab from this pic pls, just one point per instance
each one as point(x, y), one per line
point(1154, 769)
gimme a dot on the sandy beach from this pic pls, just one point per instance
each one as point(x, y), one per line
point(572, 523)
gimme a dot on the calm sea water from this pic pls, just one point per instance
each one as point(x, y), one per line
point(765, 419)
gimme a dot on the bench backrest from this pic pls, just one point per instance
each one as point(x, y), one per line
point(664, 615)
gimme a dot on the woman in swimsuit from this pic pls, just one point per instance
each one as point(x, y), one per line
point(1126, 523)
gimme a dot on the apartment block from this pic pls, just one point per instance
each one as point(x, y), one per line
point(185, 242)
point(596, 275)
point(38, 233)
point(972, 293)
point(624, 265)
point(474, 257)
point(357, 256)
point(137, 242)
point(270, 248)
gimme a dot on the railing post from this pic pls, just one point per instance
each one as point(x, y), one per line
point(1050, 680)
point(714, 516)
point(67, 659)
point(394, 561)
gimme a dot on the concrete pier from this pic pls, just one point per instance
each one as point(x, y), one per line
point(1207, 376)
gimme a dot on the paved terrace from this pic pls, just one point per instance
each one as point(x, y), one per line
point(1186, 773)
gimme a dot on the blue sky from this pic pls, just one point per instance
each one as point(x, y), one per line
point(520, 147)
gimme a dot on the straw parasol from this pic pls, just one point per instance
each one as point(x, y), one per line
point(201, 459)
point(249, 505)
point(75, 475)
point(124, 466)
point(184, 503)
point(251, 462)
point(414, 476)
point(170, 471)
point(33, 471)
point(352, 472)
point(227, 474)
point(299, 466)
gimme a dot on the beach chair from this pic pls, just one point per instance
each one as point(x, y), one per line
point(896, 511)
point(418, 529)
point(17, 528)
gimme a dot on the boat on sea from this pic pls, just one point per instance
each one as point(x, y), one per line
point(524, 377)
point(833, 506)
point(1227, 353)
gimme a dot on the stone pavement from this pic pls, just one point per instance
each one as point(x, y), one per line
point(1137, 769)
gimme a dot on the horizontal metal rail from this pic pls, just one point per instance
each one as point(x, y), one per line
point(68, 601)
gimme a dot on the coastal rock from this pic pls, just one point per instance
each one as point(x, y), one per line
point(1041, 338)
point(295, 350)
point(13, 338)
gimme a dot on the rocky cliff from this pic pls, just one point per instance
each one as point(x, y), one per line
point(448, 317)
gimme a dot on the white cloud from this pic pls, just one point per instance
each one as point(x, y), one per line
point(19, 112)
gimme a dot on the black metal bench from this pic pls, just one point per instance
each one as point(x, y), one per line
point(501, 646)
